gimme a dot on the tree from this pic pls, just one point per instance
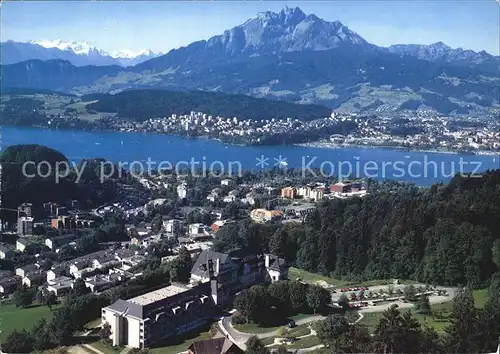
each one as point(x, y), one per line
point(180, 268)
point(157, 223)
point(278, 243)
point(431, 342)
point(214, 329)
point(423, 306)
point(253, 303)
point(18, 342)
point(79, 288)
point(62, 326)
point(397, 333)
point(282, 349)
point(410, 293)
point(489, 317)
point(255, 346)
point(245, 303)
point(317, 297)
point(461, 334)
point(280, 296)
point(41, 337)
point(262, 303)
point(105, 332)
point(298, 295)
point(23, 296)
point(495, 253)
point(331, 329)
point(343, 301)
point(356, 340)
point(49, 298)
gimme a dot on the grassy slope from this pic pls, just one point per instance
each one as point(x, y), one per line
point(309, 277)
point(18, 318)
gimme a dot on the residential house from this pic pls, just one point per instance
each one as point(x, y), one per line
point(25, 209)
point(5, 252)
point(22, 244)
point(173, 226)
point(182, 191)
point(218, 224)
point(198, 230)
point(229, 198)
point(64, 222)
point(60, 285)
point(317, 194)
point(25, 270)
point(304, 192)
point(225, 182)
point(288, 192)
point(98, 283)
point(57, 241)
point(25, 226)
point(55, 272)
point(34, 278)
point(264, 215)
point(9, 284)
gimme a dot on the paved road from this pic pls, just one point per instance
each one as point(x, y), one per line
point(240, 338)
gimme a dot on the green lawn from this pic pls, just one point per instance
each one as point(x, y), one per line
point(12, 317)
point(106, 348)
point(298, 331)
point(254, 328)
point(308, 277)
point(302, 343)
point(306, 342)
point(480, 297)
point(441, 312)
point(180, 344)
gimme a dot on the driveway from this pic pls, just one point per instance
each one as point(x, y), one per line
point(240, 338)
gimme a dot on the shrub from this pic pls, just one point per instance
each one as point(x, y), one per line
point(238, 320)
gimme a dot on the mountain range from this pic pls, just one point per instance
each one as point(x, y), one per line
point(77, 53)
point(298, 57)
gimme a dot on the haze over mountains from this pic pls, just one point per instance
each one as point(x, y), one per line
point(297, 57)
point(77, 53)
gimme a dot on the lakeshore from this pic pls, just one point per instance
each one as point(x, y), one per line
point(330, 145)
point(133, 146)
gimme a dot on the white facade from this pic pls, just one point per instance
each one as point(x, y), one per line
point(172, 226)
point(181, 191)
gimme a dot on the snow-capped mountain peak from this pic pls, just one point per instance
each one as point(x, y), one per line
point(87, 48)
point(80, 48)
point(129, 54)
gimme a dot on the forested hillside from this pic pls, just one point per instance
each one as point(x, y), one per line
point(82, 181)
point(445, 235)
point(144, 104)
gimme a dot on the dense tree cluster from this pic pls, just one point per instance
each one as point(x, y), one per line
point(471, 330)
point(79, 308)
point(279, 300)
point(37, 187)
point(145, 104)
point(443, 235)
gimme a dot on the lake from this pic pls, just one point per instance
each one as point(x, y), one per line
point(422, 168)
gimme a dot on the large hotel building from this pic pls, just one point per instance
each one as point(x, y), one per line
point(147, 319)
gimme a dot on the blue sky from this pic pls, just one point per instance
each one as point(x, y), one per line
point(163, 25)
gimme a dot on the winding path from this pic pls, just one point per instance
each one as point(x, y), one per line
point(240, 338)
